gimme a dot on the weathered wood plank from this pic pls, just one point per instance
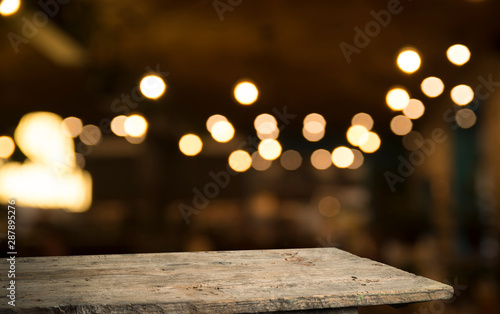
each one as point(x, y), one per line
point(343, 310)
point(213, 282)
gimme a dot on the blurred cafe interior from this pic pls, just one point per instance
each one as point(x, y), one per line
point(172, 126)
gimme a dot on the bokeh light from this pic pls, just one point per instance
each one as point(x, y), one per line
point(7, 146)
point(9, 7)
point(415, 109)
point(240, 161)
point(213, 120)
point(246, 93)
point(190, 144)
point(432, 86)
point(135, 140)
point(314, 123)
point(370, 142)
point(354, 134)
point(259, 163)
point(37, 186)
point(118, 125)
point(465, 118)
point(312, 137)
point(270, 149)
point(39, 136)
point(291, 160)
point(458, 54)
point(265, 124)
point(363, 119)
point(329, 206)
point(80, 160)
point(152, 86)
point(222, 131)
point(397, 98)
point(401, 125)
point(462, 94)
point(49, 177)
point(409, 61)
point(342, 157)
point(136, 125)
point(314, 127)
point(91, 135)
point(321, 159)
point(413, 141)
point(273, 135)
point(71, 126)
point(358, 159)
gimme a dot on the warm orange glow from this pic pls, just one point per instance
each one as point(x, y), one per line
point(49, 177)
point(465, 118)
point(240, 161)
point(152, 86)
point(259, 163)
point(314, 127)
point(370, 142)
point(397, 98)
point(246, 93)
point(91, 135)
point(190, 144)
point(72, 126)
point(413, 141)
point(415, 109)
point(38, 186)
point(270, 149)
point(354, 134)
point(409, 61)
point(363, 119)
point(136, 125)
point(222, 131)
point(214, 119)
point(135, 140)
point(274, 135)
point(432, 86)
point(118, 125)
point(342, 157)
point(358, 159)
point(314, 123)
point(265, 124)
point(312, 137)
point(329, 206)
point(291, 160)
point(401, 125)
point(39, 136)
point(9, 7)
point(7, 146)
point(462, 94)
point(321, 159)
point(458, 54)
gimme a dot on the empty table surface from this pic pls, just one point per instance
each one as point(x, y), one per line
point(214, 282)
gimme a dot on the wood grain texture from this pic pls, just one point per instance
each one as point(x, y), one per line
point(213, 282)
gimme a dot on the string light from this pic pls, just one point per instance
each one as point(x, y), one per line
point(397, 98)
point(458, 54)
point(152, 86)
point(190, 144)
point(270, 149)
point(409, 61)
point(240, 161)
point(342, 157)
point(246, 93)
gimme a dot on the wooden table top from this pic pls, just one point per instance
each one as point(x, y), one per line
point(213, 282)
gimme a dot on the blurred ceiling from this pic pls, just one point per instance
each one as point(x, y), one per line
point(290, 49)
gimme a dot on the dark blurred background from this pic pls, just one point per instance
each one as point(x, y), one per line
point(429, 208)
